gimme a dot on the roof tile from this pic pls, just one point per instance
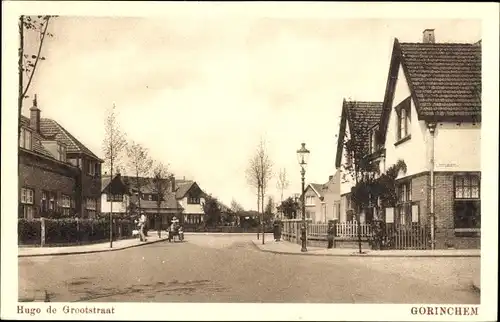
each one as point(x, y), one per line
point(446, 77)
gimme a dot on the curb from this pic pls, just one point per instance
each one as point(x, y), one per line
point(356, 254)
point(93, 251)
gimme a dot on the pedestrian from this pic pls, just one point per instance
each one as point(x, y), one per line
point(142, 223)
point(331, 233)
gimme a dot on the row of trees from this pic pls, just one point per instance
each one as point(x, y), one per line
point(116, 149)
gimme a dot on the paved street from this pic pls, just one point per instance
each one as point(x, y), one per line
point(231, 269)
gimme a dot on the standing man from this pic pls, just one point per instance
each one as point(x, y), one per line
point(142, 223)
point(330, 234)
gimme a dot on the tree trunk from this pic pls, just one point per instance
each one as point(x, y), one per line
point(262, 209)
point(359, 233)
point(111, 209)
point(20, 67)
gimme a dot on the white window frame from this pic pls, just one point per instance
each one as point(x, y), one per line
point(26, 139)
point(52, 201)
point(65, 201)
point(91, 204)
point(27, 196)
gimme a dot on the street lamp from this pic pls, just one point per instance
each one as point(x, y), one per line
point(303, 156)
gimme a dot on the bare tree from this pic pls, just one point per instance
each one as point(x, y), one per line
point(266, 167)
point(282, 184)
point(236, 206)
point(237, 210)
point(140, 165)
point(259, 172)
point(254, 178)
point(28, 62)
point(112, 146)
point(161, 183)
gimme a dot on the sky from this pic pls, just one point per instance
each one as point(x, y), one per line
point(201, 91)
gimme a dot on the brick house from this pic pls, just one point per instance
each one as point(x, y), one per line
point(431, 119)
point(58, 175)
point(321, 200)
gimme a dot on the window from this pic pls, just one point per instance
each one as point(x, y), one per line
point(27, 196)
point(61, 152)
point(66, 205)
point(91, 207)
point(49, 200)
point(91, 168)
point(404, 120)
point(309, 200)
point(52, 201)
point(74, 162)
point(25, 139)
point(44, 202)
point(114, 198)
point(467, 208)
point(194, 200)
point(403, 208)
point(91, 204)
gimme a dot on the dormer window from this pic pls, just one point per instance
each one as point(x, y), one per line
point(25, 139)
point(404, 119)
point(61, 152)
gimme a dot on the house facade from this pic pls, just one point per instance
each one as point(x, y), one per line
point(181, 198)
point(431, 120)
point(53, 177)
point(322, 200)
point(191, 198)
point(357, 117)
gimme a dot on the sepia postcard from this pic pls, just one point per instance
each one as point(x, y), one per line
point(249, 161)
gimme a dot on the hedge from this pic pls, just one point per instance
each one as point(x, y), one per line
point(71, 231)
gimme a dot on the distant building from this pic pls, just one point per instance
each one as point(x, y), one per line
point(322, 200)
point(182, 198)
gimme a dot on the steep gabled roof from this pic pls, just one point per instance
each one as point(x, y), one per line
point(183, 188)
point(360, 116)
point(444, 80)
point(51, 129)
point(116, 186)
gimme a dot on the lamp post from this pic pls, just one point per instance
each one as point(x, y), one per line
point(302, 156)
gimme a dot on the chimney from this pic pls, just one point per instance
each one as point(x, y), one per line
point(428, 37)
point(172, 180)
point(35, 116)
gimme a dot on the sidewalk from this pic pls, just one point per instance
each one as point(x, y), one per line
point(284, 247)
point(93, 248)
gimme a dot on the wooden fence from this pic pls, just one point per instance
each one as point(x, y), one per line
point(411, 236)
point(349, 230)
point(345, 230)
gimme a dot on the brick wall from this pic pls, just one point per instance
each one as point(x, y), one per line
point(39, 174)
point(444, 212)
point(420, 194)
